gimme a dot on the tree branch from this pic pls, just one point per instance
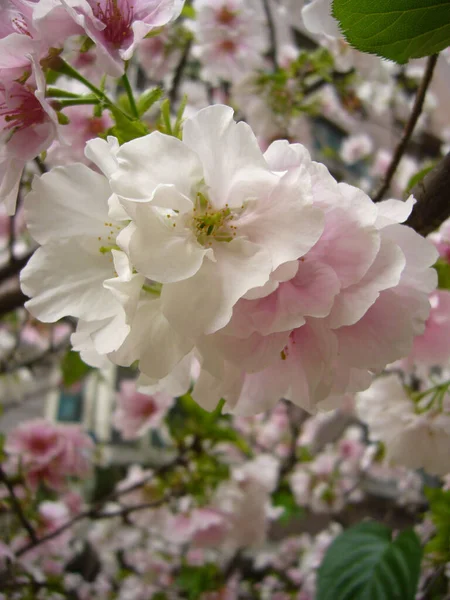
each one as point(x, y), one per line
point(409, 128)
point(17, 507)
point(433, 199)
point(272, 52)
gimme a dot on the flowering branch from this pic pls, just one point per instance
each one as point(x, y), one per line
point(409, 128)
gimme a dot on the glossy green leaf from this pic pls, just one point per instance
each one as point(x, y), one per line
point(395, 29)
point(365, 563)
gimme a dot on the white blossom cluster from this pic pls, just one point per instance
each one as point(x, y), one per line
point(280, 281)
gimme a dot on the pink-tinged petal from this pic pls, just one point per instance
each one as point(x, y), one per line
point(259, 392)
point(393, 211)
point(251, 354)
point(67, 201)
point(310, 293)
point(159, 250)
point(66, 278)
point(386, 332)
point(268, 221)
point(385, 272)
point(152, 160)
point(204, 303)
point(233, 165)
point(309, 360)
point(433, 346)
point(346, 246)
point(420, 254)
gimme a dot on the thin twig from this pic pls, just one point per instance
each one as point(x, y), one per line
point(272, 52)
point(179, 72)
point(18, 507)
point(409, 128)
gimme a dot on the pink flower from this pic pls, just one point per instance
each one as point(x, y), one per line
point(138, 413)
point(50, 453)
point(28, 125)
point(118, 26)
point(230, 38)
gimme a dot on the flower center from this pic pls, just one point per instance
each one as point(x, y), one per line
point(117, 16)
point(228, 46)
point(212, 225)
point(23, 110)
point(226, 16)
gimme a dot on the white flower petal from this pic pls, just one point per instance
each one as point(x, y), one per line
point(67, 201)
point(151, 160)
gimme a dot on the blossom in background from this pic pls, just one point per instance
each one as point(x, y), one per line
point(137, 413)
point(433, 346)
point(118, 26)
point(356, 147)
point(230, 38)
point(50, 453)
point(415, 434)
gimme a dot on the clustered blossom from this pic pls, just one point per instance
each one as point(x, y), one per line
point(50, 453)
point(413, 427)
point(230, 38)
point(206, 247)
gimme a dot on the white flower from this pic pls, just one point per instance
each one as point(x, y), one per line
point(77, 271)
point(209, 219)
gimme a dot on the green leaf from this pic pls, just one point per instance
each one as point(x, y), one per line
point(439, 545)
point(284, 498)
point(364, 563)
point(147, 100)
point(126, 129)
point(443, 270)
point(193, 581)
point(395, 29)
point(417, 178)
point(73, 368)
point(166, 125)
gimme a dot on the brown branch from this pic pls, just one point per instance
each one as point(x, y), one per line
point(11, 301)
point(272, 52)
point(179, 72)
point(92, 513)
point(13, 267)
point(433, 199)
point(409, 128)
point(18, 507)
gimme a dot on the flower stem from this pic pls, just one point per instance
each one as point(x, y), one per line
point(61, 66)
point(129, 91)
